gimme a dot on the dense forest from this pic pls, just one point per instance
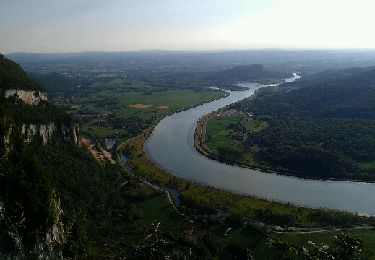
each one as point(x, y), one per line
point(350, 77)
point(320, 127)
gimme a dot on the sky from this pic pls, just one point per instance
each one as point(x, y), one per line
point(121, 25)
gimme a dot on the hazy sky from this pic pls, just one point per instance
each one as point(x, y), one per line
point(114, 25)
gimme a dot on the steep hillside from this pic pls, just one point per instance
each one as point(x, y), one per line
point(13, 77)
point(45, 212)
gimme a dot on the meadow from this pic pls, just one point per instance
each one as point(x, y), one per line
point(222, 138)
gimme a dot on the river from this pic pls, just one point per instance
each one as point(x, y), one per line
point(171, 147)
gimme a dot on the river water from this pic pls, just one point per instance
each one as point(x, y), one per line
point(171, 147)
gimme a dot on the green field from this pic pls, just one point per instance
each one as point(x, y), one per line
point(171, 100)
point(119, 103)
point(218, 131)
point(113, 109)
point(221, 132)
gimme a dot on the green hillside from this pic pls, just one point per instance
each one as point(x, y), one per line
point(325, 125)
point(13, 77)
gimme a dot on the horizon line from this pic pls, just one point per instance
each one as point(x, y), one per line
point(194, 50)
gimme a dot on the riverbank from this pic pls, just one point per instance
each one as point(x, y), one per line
point(279, 214)
point(149, 130)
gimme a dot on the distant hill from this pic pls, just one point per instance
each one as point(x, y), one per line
point(247, 73)
point(306, 61)
point(352, 77)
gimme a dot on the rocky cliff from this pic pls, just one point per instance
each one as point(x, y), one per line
point(31, 217)
point(69, 131)
point(30, 97)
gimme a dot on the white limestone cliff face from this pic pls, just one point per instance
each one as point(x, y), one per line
point(71, 133)
point(46, 131)
point(30, 97)
point(49, 246)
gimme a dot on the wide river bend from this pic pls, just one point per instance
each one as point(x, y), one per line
point(171, 147)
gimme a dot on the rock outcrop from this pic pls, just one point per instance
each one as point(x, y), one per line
point(30, 97)
point(69, 131)
point(46, 131)
point(32, 221)
point(50, 244)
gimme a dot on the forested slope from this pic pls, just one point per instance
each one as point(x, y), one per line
point(321, 127)
point(54, 197)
